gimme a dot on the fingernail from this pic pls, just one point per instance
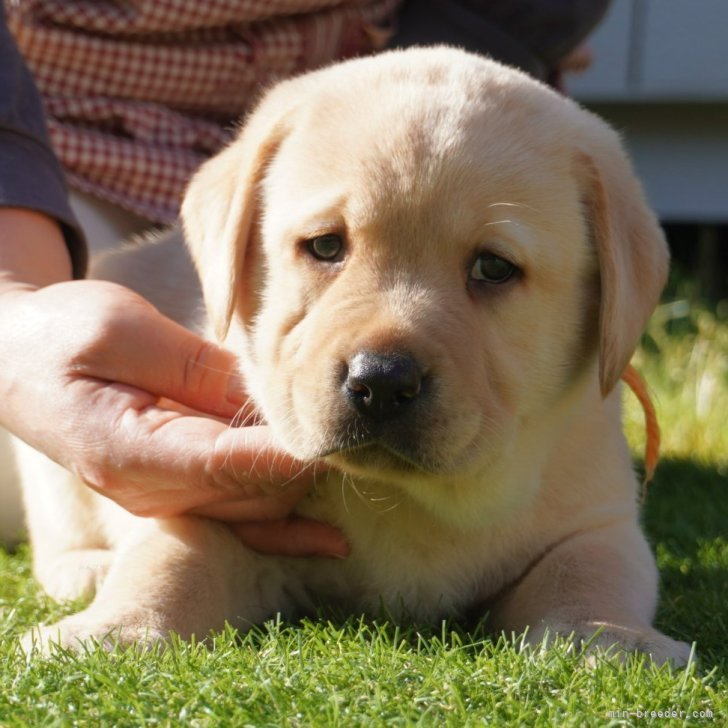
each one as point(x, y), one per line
point(236, 393)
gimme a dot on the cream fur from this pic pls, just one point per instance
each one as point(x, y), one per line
point(512, 489)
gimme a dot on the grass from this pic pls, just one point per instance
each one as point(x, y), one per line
point(353, 672)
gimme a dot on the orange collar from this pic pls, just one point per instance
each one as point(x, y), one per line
point(634, 381)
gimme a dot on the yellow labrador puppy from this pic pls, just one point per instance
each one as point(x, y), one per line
point(434, 271)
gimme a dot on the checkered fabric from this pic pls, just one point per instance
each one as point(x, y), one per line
point(139, 93)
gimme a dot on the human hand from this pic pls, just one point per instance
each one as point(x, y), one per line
point(83, 369)
point(577, 60)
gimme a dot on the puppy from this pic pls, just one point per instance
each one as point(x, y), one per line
point(434, 271)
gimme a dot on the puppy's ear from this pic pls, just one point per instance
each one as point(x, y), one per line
point(633, 255)
point(219, 207)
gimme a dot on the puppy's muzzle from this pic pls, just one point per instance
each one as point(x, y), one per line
point(380, 386)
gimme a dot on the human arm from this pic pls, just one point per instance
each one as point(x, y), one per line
point(83, 365)
point(534, 35)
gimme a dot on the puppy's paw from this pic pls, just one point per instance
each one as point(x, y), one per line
point(614, 639)
point(74, 574)
point(80, 632)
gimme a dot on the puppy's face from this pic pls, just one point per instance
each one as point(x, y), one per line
point(420, 286)
point(423, 293)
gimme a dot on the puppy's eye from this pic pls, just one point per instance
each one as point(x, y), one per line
point(493, 269)
point(326, 247)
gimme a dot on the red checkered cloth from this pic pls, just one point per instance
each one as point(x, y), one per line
point(139, 93)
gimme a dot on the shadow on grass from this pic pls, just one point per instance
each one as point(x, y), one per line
point(686, 520)
point(687, 502)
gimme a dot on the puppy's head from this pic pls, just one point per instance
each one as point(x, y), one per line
point(418, 256)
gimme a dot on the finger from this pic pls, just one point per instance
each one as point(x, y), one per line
point(251, 509)
point(242, 461)
point(577, 61)
point(156, 462)
point(294, 537)
point(164, 358)
point(188, 369)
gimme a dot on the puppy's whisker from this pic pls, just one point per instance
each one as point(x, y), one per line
point(229, 372)
point(242, 418)
point(501, 222)
point(394, 506)
point(344, 501)
point(369, 501)
point(512, 204)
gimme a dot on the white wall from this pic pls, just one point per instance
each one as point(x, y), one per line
point(660, 75)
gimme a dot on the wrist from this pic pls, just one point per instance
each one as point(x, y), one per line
point(33, 252)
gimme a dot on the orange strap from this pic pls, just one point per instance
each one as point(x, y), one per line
point(634, 381)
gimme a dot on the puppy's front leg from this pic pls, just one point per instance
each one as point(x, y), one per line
point(182, 575)
point(601, 582)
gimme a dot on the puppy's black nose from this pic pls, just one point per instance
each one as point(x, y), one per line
point(379, 385)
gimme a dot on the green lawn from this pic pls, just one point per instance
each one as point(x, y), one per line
point(352, 672)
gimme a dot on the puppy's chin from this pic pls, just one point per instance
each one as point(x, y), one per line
point(426, 447)
point(412, 462)
point(376, 460)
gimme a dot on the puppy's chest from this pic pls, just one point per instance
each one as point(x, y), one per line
point(403, 560)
